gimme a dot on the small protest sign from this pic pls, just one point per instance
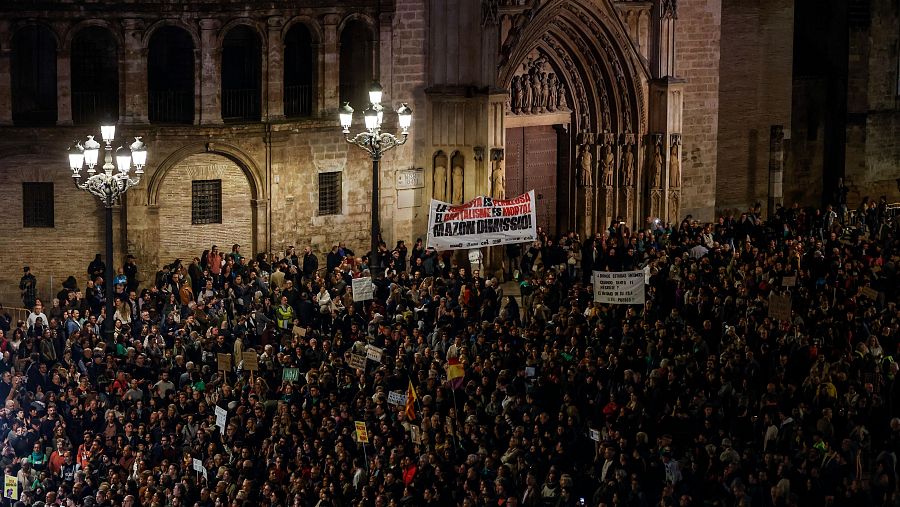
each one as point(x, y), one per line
point(357, 361)
point(251, 361)
point(396, 398)
point(290, 374)
point(374, 353)
point(780, 307)
point(595, 435)
point(363, 289)
point(789, 281)
point(224, 362)
point(362, 434)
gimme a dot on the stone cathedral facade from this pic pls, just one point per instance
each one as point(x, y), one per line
point(606, 108)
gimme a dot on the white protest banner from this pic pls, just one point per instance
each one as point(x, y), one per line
point(221, 417)
point(483, 221)
point(619, 288)
point(198, 465)
point(374, 353)
point(363, 289)
point(396, 398)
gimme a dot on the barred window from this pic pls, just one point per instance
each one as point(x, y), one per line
point(330, 193)
point(37, 204)
point(206, 202)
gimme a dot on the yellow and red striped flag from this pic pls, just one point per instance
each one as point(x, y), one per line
point(411, 402)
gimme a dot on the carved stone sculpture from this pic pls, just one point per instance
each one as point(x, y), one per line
point(628, 166)
point(608, 165)
point(551, 92)
point(561, 96)
point(585, 167)
point(673, 209)
point(498, 179)
point(457, 185)
point(657, 168)
point(674, 167)
point(525, 105)
point(535, 92)
point(440, 183)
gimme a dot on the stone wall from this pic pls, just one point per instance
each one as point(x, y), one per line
point(178, 237)
point(53, 254)
point(754, 94)
point(697, 61)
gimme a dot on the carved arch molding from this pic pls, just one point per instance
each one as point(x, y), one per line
point(576, 56)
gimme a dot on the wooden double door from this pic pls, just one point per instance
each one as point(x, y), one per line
point(534, 156)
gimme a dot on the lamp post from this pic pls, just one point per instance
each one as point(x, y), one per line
point(109, 186)
point(376, 143)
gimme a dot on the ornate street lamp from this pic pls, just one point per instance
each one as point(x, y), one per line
point(109, 185)
point(376, 143)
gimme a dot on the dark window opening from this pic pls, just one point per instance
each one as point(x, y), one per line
point(299, 64)
point(37, 204)
point(206, 202)
point(356, 64)
point(330, 193)
point(241, 75)
point(33, 67)
point(170, 67)
point(95, 76)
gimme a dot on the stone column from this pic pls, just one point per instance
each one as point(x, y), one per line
point(665, 119)
point(260, 225)
point(776, 168)
point(655, 174)
point(330, 59)
point(210, 73)
point(273, 104)
point(674, 178)
point(63, 87)
point(627, 177)
point(5, 87)
point(134, 110)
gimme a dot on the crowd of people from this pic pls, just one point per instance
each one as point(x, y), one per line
point(450, 387)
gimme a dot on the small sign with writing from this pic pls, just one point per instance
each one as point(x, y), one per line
point(357, 361)
point(789, 281)
point(362, 435)
point(374, 353)
point(224, 361)
point(251, 361)
point(290, 374)
point(395, 398)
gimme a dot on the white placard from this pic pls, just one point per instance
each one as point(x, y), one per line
point(221, 418)
point(410, 178)
point(595, 435)
point(198, 465)
point(619, 288)
point(483, 221)
point(374, 353)
point(396, 398)
point(363, 290)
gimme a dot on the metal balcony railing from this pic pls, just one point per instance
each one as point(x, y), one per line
point(298, 100)
point(240, 104)
point(171, 106)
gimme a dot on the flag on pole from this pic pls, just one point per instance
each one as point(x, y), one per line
point(411, 402)
point(456, 373)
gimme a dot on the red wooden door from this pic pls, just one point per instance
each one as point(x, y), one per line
point(531, 163)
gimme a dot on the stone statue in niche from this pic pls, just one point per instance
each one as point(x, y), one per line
point(515, 92)
point(608, 165)
point(674, 167)
point(561, 95)
point(525, 96)
point(498, 178)
point(545, 92)
point(657, 167)
point(535, 93)
point(673, 210)
point(585, 167)
point(457, 185)
point(440, 183)
point(551, 92)
point(628, 166)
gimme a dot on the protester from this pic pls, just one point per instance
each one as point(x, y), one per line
point(229, 381)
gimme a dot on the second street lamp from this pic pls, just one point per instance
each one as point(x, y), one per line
point(376, 143)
